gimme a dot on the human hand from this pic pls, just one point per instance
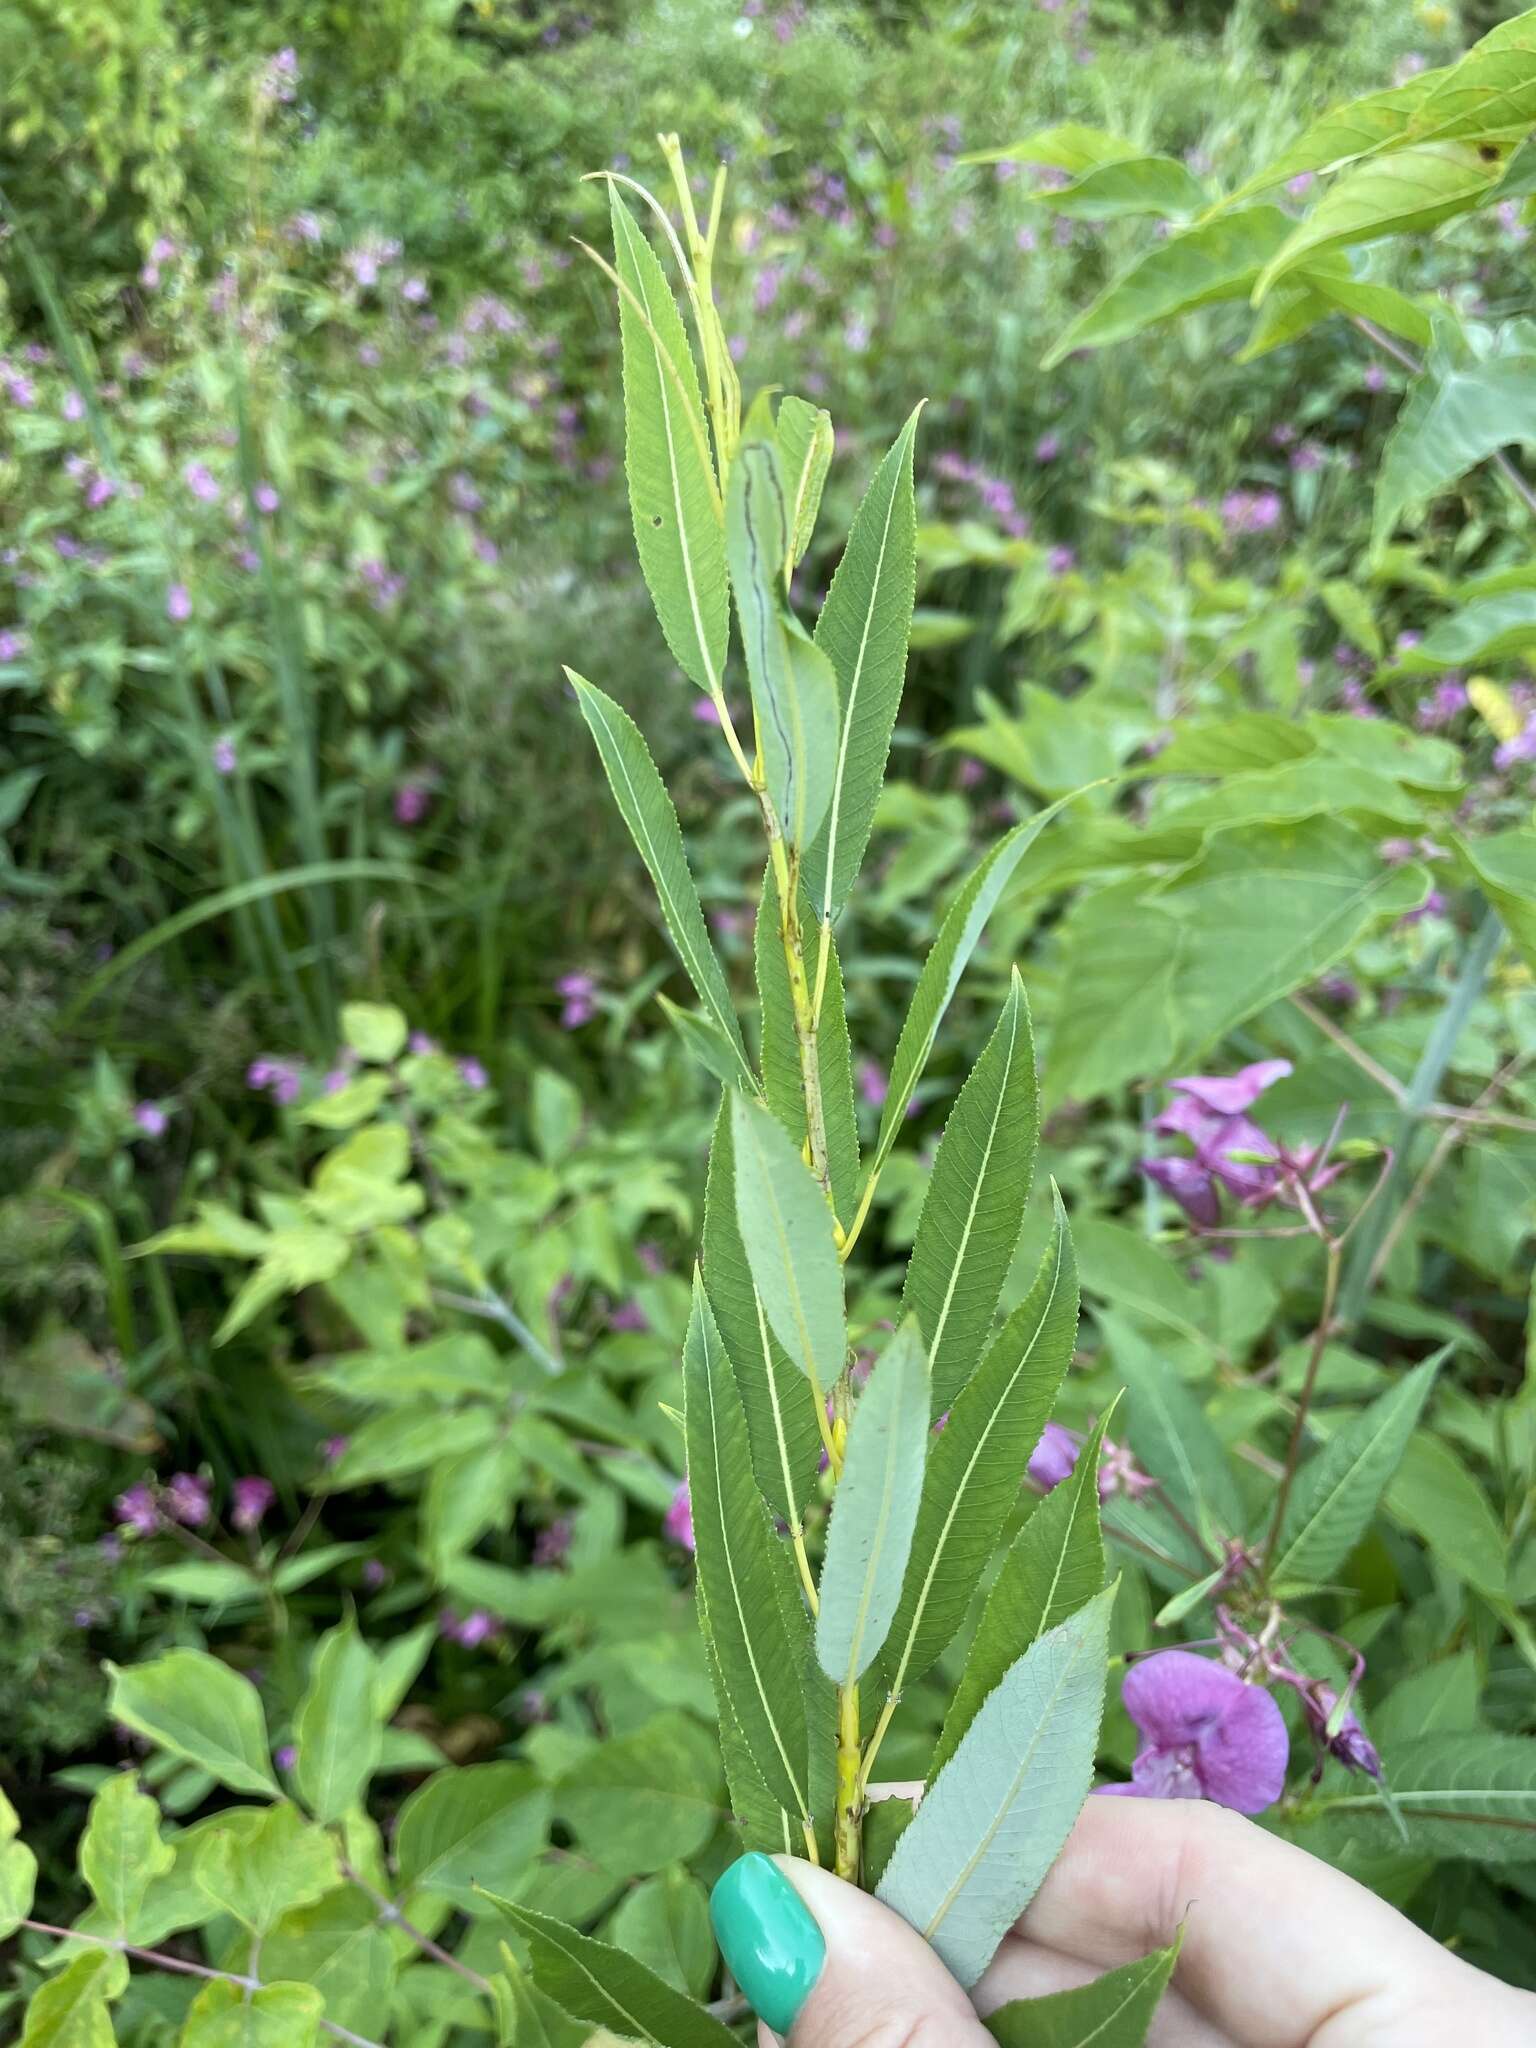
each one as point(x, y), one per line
point(1280, 1950)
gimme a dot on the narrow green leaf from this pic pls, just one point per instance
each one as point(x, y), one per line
point(1171, 1434)
point(1222, 258)
point(484, 1824)
point(197, 1708)
point(780, 1408)
point(339, 1725)
point(1337, 1490)
point(874, 1510)
point(994, 1819)
point(1114, 2011)
point(786, 1229)
point(607, 1988)
point(757, 1637)
point(804, 434)
point(794, 693)
point(1055, 1567)
point(1402, 192)
point(863, 630)
point(947, 959)
point(648, 812)
point(672, 493)
point(121, 1852)
point(782, 1083)
point(974, 1470)
point(974, 1205)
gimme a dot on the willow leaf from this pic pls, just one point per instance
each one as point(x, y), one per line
point(648, 812)
point(974, 1469)
point(673, 498)
point(995, 1818)
point(786, 1228)
point(1054, 1568)
point(1114, 2011)
point(963, 925)
point(753, 1630)
point(782, 1083)
point(794, 694)
point(780, 1408)
point(805, 455)
point(1337, 1490)
point(863, 630)
point(610, 1988)
point(874, 1510)
point(974, 1205)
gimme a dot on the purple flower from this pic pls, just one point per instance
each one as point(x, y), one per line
point(476, 1628)
point(577, 1005)
point(1250, 511)
point(1348, 1741)
point(1205, 1734)
point(1375, 377)
point(706, 711)
point(201, 482)
point(225, 759)
point(420, 1044)
point(1231, 1094)
point(628, 1316)
point(137, 1509)
point(1210, 1111)
point(552, 1542)
point(21, 392)
point(280, 77)
point(472, 1074)
point(873, 1084)
point(415, 291)
point(73, 407)
point(1299, 184)
point(1054, 1458)
point(187, 1500)
point(411, 801)
point(463, 494)
point(375, 1574)
point(285, 1756)
point(150, 1118)
point(252, 1497)
point(1309, 456)
point(266, 497)
point(1047, 448)
point(334, 1449)
point(178, 604)
point(12, 645)
point(677, 1522)
point(1061, 561)
point(281, 1079)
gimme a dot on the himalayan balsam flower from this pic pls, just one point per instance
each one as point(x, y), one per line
point(1205, 1734)
point(1348, 1741)
point(187, 1499)
point(252, 1497)
point(1054, 1458)
point(677, 1522)
point(1210, 1111)
point(150, 1118)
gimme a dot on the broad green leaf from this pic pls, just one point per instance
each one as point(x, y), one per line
point(794, 694)
point(1221, 258)
point(483, 1825)
point(640, 1801)
point(1455, 416)
point(1337, 1490)
point(376, 1032)
point(276, 2016)
point(948, 957)
point(407, 1440)
point(197, 1708)
point(1505, 865)
point(648, 812)
point(804, 434)
point(465, 1496)
point(971, 1482)
point(664, 1923)
point(974, 1205)
point(1378, 303)
point(260, 1872)
point(70, 2010)
point(1139, 184)
point(1402, 192)
point(18, 1872)
point(1114, 2011)
point(1435, 1496)
point(672, 493)
point(782, 1083)
point(1490, 629)
point(1157, 972)
point(121, 1852)
point(874, 1510)
point(863, 630)
point(1053, 1569)
point(1252, 740)
point(994, 1819)
point(1440, 1699)
point(784, 1434)
point(608, 1988)
point(786, 1230)
point(1471, 1795)
point(339, 1725)
point(1069, 146)
point(1351, 612)
point(757, 1632)
point(1490, 92)
point(1171, 1435)
point(338, 1946)
point(1356, 129)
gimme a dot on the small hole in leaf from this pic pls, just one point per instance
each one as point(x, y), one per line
point(1488, 153)
point(655, 519)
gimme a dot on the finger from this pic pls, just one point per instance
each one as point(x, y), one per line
point(830, 1966)
point(1276, 1946)
point(1023, 1969)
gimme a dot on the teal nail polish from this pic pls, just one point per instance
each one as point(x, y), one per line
point(771, 1944)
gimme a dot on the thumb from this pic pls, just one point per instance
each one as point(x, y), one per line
point(830, 1966)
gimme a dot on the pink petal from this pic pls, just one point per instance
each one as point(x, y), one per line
point(1242, 1762)
point(1189, 1184)
point(1231, 1094)
point(1175, 1696)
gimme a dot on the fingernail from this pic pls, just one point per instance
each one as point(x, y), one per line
point(771, 1944)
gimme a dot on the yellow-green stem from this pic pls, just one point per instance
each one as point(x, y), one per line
point(847, 1832)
